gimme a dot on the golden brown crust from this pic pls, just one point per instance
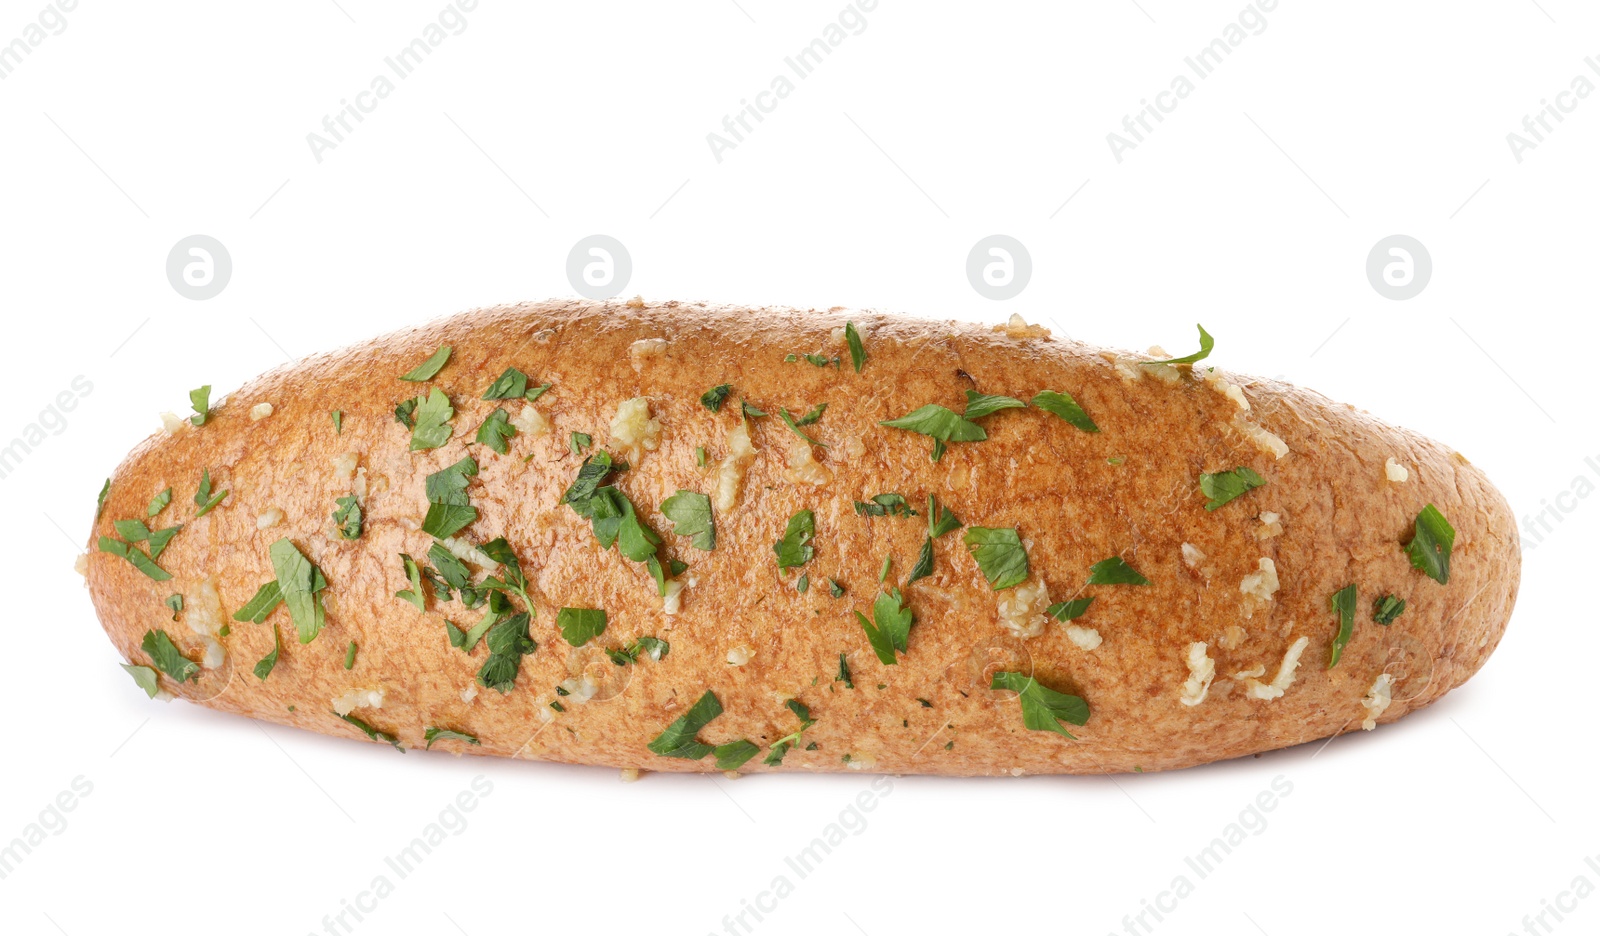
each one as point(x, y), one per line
point(1077, 497)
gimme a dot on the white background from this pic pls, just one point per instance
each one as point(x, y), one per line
point(1251, 209)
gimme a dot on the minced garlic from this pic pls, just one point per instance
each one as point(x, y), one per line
point(1202, 669)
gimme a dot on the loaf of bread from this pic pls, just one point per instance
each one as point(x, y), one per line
point(692, 538)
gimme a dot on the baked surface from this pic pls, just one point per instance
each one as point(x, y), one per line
point(1076, 497)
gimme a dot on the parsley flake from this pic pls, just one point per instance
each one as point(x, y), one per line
point(1043, 709)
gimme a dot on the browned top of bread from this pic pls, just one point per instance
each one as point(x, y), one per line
point(1076, 498)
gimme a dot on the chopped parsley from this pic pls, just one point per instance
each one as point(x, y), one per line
point(266, 599)
point(734, 754)
point(1069, 610)
point(414, 594)
point(1043, 709)
point(1343, 603)
point(794, 426)
point(581, 441)
point(1000, 554)
point(653, 647)
point(883, 570)
point(200, 402)
point(1386, 609)
point(679, 738)
point(134, 531)
point(1430, 545)
point(496, 430)
point(136, 556)
point(431, 735)
point(924, 564)
point(338, 421)
point(980, 405)
point(835, 589)
point(405, 413)
point(350, 656)
point(940, 424)
point(817, 359)
point(751, 411)
point(581, 625)
point(508, 642)
point(448, 508)
point(690, 514)
point(890, 627)
point(940, 520)
point(804, 584)
point(348, 517)
point(712, 399)
point(1063, 405)
point(858, 353)
point(780, 747)
point(511, 578)
point(158, 503)
point(299, 584)
point(264, 666)
point(885, 505)
point(372, 733)
point(844, 673)
point(1224, 486)
point(204, 500)
point(1206, 344)
point(795, 548)
point(700, 456)
point(513, 385)
point(432, 413)
point(145, 677)
point(1115, 571)
point(100, 502)
point(427, 369)
point(175, 603)
point(165, 657)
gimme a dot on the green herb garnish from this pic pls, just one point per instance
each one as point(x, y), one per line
point(1063, 405)
point(100, 502)
point(581, 441)
point(679, 738)
point(980, 405)
point(350, 656)
point(844, 673)
point(431, 735)
point(1000, 554)
point(885, 505)
point(1206, 344)
point(448, 508)
point(372, 733)
point(795, 548)
point(165, 657)
point(1069, 610)
point(265, 664)
point(1115, 571)
point(794, 427)
point(690, 514)
point(136, 556)
point(204, 500)
point(348, 517)
point(299, 583)
point(158, 503)
point(890, 627)
point(1043, 709)
point(858, 353)
point(1224, 486)
point(430, 367)
point(200, 402)
point(734, 754)
point(174, 602)
point(338, 421)
point(508, 642)
point(712, 399)
point(940, 424)
point(1386, 609)
point(145, 677)
point(780, 747)
point(1343, 603)
point(496, 430)
point(512, 385)
point(581, 625)
point(432, 427)
point(1430, 545)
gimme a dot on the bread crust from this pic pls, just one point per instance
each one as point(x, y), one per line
point(1076, 497)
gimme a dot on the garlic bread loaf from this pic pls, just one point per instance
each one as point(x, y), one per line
point(692, 538)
